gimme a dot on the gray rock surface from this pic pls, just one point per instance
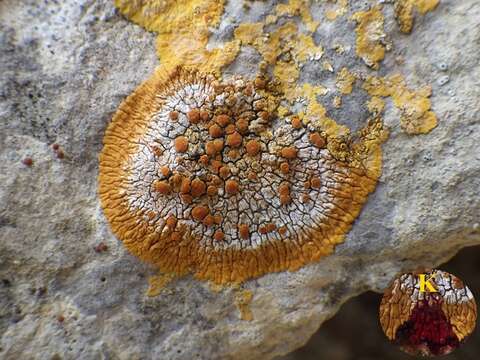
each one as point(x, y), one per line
point(64, 68)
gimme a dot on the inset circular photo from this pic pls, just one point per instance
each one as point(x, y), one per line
point(428, 313)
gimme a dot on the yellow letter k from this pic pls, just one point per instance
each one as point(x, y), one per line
point(426, 281)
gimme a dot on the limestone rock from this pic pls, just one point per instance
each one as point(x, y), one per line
point(64, 69)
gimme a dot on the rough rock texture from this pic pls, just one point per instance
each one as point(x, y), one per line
point(64, 69)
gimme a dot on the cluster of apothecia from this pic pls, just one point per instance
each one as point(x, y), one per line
point(200, 176)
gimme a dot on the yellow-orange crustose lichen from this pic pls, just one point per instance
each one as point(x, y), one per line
point(157, 283)
point(404, 11)
point(340, 9)
point(345, 81)
point(285, 45)
point(201, 176)
point(416, 116)
point(183, 29)
point(370, 36)
point(298, 7)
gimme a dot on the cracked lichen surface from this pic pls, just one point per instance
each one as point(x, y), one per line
point(201, 176)
point(404, 296)
point(285, 224)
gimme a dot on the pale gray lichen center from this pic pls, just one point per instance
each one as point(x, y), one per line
point(258, 202)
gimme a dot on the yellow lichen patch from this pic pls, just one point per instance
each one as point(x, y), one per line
point(298, 8)
point(327, 66)
point(286, 41)
point(243, 299)
point(249, 32)
point(269, 47)
point(175, 49)
point(340, 9)
point(337, 102)
point(228, 235)
point(166, 16)
point(157, 283)
point(287, 73)
point(404, 11)
point(345, 81)
point(183, 31)
point(316, 113)
point(375, 105)
point(283, 111)
point(415, 107)
point(271, 19)
point(370, 35)
point(368, 151)
point(304, 48)
point(425, 6)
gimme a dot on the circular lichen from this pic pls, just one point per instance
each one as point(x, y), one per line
point(201, 176)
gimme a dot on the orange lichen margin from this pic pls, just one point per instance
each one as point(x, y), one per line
point(157, 283)
point(213, 210)
point(404, 11)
